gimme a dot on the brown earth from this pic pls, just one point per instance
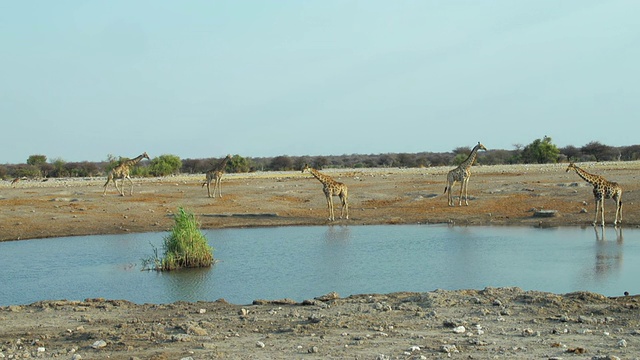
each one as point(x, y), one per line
point(499, 195)
point(498, 323)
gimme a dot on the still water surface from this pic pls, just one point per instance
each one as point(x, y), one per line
point(305, 262)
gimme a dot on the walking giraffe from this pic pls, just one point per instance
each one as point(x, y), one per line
point(215, 175)
point(122, 172)
point(331, 188)
point(602, 189)
point(462, 174)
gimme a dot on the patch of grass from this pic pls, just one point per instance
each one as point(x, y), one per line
point(184, 247)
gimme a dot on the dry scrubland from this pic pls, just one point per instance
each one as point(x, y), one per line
point(500, 195)
point(465, 324)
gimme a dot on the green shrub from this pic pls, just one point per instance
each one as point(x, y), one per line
point(185, 246)
point(165, 165)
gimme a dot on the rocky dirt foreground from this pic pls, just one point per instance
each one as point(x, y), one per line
point(492, 323)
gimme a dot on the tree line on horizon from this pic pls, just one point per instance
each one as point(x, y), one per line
point(540, 151)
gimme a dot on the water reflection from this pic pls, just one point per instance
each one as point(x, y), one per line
point(189, 284)
point(305, 262)
point(337, 234)
point(609, 254)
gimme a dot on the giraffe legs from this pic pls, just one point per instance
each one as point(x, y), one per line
point(617, 198)
point(447, 189)
point(218, 186)
point(345, 206)
point(618, 212)
point(463, 189)
point(130, 189)
point(330, 207)
point(599, 207)
point(119, 189)
point(465, 184)
point(109, 178)
point(208, 183)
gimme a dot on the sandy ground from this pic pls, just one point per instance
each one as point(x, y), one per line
point(492, 323)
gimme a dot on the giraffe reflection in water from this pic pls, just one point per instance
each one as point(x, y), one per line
point(609, 254)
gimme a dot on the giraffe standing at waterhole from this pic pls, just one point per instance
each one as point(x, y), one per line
point(122, 172)
point(215, 175)
point(331, 188)
point(602, 189)
point(462, 174)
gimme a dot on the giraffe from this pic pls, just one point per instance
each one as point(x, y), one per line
point(122, 172)
point(331, 188)
point(16, 180)
point(215, 175)
point(602, 189)
point(462, 174)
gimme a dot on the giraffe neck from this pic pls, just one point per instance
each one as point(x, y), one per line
point(322, 178)
point(223, 164)
point(135, 160)
point(471, 159)
point(590, 178)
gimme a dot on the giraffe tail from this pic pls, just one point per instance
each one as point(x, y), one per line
point(445, 189)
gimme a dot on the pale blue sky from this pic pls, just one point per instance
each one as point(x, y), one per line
point(83, 79)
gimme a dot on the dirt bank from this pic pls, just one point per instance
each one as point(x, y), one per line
point(499, 195)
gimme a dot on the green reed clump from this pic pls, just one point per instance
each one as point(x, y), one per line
point(186, 246)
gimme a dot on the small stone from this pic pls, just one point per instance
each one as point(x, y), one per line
point(449, 349)
point(313, 350)
point(99, 344)
point(260, 344)
point(622, 343)
point(459, 330)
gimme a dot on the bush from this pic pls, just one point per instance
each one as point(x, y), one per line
point(165, 165)
point(238, 164)
point(185, 246)
point(540, 151)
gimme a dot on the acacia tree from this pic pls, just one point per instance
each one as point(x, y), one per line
point(37, 160)
point(599, 151)
point(540, 151)
point(164, 165)
point(238, 164)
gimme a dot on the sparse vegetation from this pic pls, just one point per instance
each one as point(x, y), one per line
point(539, 151)
point(184, 247)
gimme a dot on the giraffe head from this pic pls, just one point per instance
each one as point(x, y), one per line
point(145, 155)
point(481, 147)
point(571, 166)
point(305, 168)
